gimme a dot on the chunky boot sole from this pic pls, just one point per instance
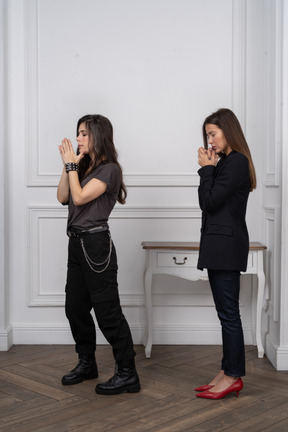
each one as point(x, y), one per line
point(80, 379)
point(135, 388)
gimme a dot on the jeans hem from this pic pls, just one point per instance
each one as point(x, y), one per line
point(234, 375)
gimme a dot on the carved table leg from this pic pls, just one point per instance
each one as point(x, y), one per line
point(147, 342)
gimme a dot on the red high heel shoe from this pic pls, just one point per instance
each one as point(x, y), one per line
point(204, 388)
point(235, 387)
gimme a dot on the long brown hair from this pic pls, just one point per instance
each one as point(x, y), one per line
point(227, 121)
point(100, 131)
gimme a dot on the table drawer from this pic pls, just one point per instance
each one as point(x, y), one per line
point(177, 259)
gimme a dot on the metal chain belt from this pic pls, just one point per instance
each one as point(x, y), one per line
point(89, 260)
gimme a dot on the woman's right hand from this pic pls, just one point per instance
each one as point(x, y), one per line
point(67, 153)
point(207, 157)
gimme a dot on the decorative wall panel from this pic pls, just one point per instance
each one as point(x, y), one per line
point(129, 226)
point(272, 261)
point(156, 94)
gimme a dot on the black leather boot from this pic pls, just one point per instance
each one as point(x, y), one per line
point(125, 379)
point(86, 369)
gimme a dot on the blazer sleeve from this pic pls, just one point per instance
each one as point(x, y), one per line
point(215, 190)
point(206, 181)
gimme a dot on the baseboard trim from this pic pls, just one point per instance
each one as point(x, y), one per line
point(163, 334)
point(6, 339)
point(276, 354)
point(59, 335)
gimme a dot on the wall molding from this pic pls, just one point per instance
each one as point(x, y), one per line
point(32, 92)
point(239, 60)
point(4, 309)
point(273, 134)
point(36, 178)
point(136, 300)
point(6, 339)
point(130, 179)
point(272, 225)
point(284, 189)
point(277, 355)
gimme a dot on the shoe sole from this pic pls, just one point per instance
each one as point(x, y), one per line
point(79, 380)
point(131, 389)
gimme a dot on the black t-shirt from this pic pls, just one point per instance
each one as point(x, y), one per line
point(97, 211)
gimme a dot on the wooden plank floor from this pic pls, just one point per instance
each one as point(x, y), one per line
point(32, 397)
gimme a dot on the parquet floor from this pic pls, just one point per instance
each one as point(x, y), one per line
point(33, 399)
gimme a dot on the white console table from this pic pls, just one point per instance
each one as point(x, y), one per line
point(180, 259)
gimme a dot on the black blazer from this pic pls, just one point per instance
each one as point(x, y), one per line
point(223, 195)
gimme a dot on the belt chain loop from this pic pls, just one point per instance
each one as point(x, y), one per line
point(90, 262)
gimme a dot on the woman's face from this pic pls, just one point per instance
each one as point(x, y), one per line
point(216, 139)
point(84, 145)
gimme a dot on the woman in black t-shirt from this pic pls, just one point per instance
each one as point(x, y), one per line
point(91, 183)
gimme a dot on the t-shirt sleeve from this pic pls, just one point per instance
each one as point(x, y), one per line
point(110, 175)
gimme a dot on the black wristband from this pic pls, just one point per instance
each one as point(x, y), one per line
point(71, 166)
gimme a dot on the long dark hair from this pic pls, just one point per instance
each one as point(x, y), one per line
point(100, 132)
point(227, 121)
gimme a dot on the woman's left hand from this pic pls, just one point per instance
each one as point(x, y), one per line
point(67, 153)
point(207, 157)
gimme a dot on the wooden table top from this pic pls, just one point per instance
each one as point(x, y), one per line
point(193, 246)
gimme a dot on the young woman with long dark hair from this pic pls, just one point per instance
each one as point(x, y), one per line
point(91, 183)
point(227, 175)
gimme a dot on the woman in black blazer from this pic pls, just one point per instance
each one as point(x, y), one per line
point(227, 175)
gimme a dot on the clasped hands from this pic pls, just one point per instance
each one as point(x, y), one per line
point(207, 157)
point(67, 153)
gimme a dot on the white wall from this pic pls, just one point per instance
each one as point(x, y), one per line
point(5, 328)
point(156, 69)
point(279, 351)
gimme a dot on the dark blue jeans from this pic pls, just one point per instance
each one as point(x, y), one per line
point(225, 287)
